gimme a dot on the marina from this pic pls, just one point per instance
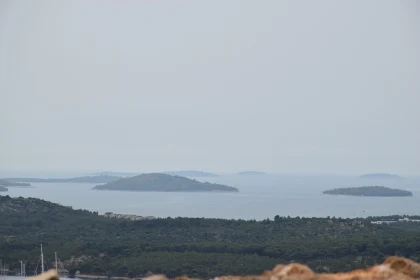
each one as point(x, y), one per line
point(40, 268)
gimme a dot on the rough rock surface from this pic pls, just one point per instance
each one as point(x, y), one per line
point(394, 268)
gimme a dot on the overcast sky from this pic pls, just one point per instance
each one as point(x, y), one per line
point(222, 86)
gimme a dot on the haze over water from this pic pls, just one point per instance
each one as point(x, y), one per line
point(260, 197)
point(327, 87)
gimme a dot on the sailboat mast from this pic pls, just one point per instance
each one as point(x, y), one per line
point(56, 266)
point(42, 260)
point(21, 268)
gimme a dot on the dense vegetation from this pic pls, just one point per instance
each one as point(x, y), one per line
point(369, 191)
point(99, 179)
point(3, 189)
point(194, 247)
point(164, 183)
point(8, 183)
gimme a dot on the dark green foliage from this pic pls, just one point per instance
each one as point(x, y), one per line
point(164, 183)
point(369, 191)
point(192, 246)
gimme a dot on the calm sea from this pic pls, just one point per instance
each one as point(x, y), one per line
point(260, 197)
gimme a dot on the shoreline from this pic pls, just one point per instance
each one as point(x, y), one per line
point(159, 191)
point(359, 195)
point(90, 276)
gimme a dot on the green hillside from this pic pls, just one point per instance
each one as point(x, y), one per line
point(93, 244)
point(163, 183)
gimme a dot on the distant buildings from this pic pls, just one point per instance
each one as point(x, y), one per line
point(408, 220)
point(382, 222)
point(399, 220)
point(128, 216)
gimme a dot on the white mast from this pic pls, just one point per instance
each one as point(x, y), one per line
point(56, 266)
point(42, 260)
point(1, 270)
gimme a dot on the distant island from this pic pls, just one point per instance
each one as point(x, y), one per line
point(191, 173)
point(100, 179)
point(117, 174)
point(252, 173)
point(3, 189)
point(163, 183)
point(369, 191)
point(11, 183)
point(380, 176)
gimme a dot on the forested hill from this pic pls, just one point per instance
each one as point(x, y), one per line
point(163, 183)
point(369, 191)
point(195, 247)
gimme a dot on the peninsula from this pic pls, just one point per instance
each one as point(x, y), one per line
point(3, 189)
point(10, 183)
point(116, 174)
point(203, 248)
point(369, 191)
point(163, 183)
point(99, 179)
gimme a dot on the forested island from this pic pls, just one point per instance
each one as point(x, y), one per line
point(163, 183)
point(369, 191)
point(10, 183)
point(98, 179)
point(197, 247)
point(3, 189)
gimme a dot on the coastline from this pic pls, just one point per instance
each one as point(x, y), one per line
point(360, 195)
point(90, 276)
point(103, 277)
point(159, 191)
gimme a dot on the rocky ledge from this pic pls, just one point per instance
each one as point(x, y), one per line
point(394, 268)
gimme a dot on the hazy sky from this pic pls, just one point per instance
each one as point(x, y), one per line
point(222, 86)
